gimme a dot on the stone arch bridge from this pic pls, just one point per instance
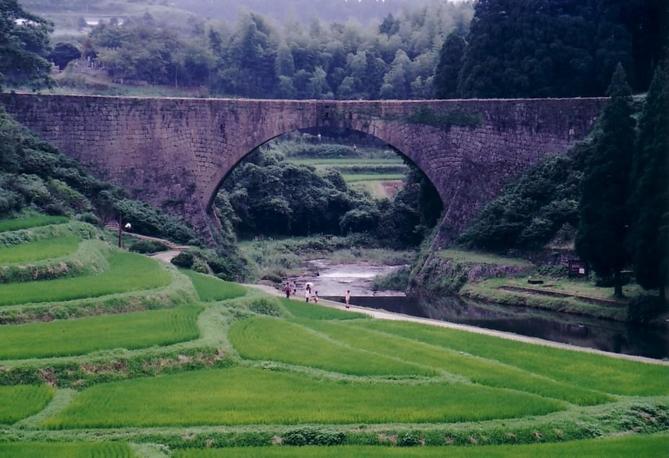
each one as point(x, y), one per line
point(175, 152)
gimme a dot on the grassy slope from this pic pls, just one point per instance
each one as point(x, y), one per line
point(639, 446)
point(85, 335)
point(596, 372)
point(17, 402)
point(299, 309)
point(65, 450)
point(211, 289)
point(238, 396)
point(26, 222)
point(484, 371)
point(476, 257)
point(39, 250)
point(278, 340)
point(127, 272)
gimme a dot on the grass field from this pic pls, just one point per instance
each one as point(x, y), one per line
point(585, 370)
point(127, 272)
point(85, 335)
point(213, 289)
point(299, 309)
point(21, 401)
point(239, 396)
point(25, 222)
point(637, 446)
point(39, 250)
point(218, 371)
point(66, 450)
point(278, 340)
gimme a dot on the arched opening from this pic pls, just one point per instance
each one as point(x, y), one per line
point(327, 194)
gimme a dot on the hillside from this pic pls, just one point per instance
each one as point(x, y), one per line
point(131, 351)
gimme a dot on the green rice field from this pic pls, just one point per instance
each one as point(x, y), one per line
point(245, 396)
point(26, 222)
point(127, 272)
point(20, 401)
point(39, 250)
point(189, 366)
point(86, 335)
point(213, 289)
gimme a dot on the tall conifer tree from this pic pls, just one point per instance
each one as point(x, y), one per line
point(649, 203)
point(604, 222)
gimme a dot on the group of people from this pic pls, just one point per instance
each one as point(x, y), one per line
point(310, 294)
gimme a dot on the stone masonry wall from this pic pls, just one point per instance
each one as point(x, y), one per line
point(174, 153)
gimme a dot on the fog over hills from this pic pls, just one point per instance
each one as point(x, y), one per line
point(363, 11)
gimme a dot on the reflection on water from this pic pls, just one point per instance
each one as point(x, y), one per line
point(576, 330)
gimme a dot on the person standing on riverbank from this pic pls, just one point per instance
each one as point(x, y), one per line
point(287, 290)
point(347, 298)
point(307, 294)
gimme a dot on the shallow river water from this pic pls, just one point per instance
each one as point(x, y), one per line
point(332, 281)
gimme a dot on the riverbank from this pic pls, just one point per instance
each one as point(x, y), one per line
point(510, 281)
point(392, 316)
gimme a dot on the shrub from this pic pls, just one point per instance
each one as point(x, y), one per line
point(265, 306)
point(147, 246)
point(409, 439)
point(89, 218)
point(185, 260)
point(313, 436)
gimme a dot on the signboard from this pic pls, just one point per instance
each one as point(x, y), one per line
point(578, 268)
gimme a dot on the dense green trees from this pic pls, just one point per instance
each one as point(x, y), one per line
point(447, 72)
point(603, 213)
point(544, 48)
point(649, 200)
point(256, 58)
point(24, 45)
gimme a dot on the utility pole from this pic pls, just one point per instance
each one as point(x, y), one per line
point(120, 230)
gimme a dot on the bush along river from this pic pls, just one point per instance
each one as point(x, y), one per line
point(332, 281)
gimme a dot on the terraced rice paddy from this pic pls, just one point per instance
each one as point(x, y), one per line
point(17, 402)
point(26, 222)
point(245, 396)
point(86, 335)
point(188, 361)
point(66, 450)
point(213, 289)
point(653, 446)
point(127, 272)
point(39, 250)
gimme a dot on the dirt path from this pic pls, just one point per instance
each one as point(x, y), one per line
point(391, 316)
point(166, 256)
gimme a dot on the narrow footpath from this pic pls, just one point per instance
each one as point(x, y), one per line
point(392, 316)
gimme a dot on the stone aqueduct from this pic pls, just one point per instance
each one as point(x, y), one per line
point(174, 153)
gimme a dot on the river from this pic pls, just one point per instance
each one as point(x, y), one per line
point(332, 281)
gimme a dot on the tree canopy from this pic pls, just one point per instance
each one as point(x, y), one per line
point(24, 45)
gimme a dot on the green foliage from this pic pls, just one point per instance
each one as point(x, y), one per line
point(530, 211)
point(86, 335)
point(448, 69)
point(147, 247)
point(147, 220)
point(213, 289)
point(544, 48)
point(238, 396)
point(24, 45)
point(127, 272)
point(618, 446)
point(649, 199)
point(21, 401)
point(603, 215)
point(397, 280)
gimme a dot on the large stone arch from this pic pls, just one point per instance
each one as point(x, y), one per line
point(174, 153)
